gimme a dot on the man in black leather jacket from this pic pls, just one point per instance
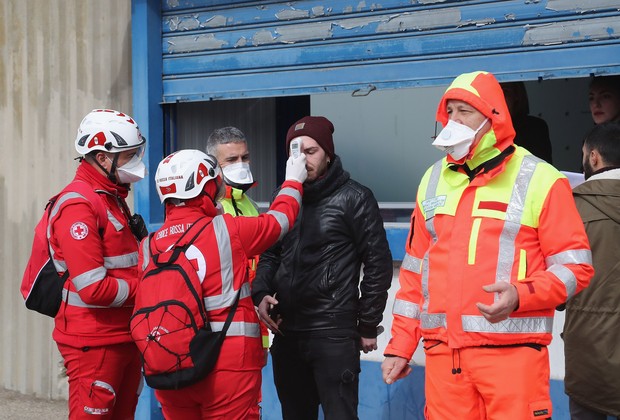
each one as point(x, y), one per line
point(311, 279)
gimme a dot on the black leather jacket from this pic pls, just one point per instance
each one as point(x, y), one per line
point(315, 268)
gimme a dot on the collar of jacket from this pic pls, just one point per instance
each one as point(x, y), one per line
point(335, 177)
point(486, 166)
point(232, 192)
point(610, 172)
point(89, 174)
point(188, 213)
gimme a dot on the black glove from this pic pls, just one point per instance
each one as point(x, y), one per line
point(138, 227)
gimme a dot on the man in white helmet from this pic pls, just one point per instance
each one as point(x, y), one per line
point(92, 235)
point(189, 183)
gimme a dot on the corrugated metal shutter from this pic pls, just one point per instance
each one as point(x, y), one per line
point(235, 49)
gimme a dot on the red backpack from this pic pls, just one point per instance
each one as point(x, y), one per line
point(42, 285)
point(169, 324)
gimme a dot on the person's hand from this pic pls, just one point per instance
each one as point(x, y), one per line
point(394, 368)
point(263, 313)
point(296, 169)
point(368, 344)
point(506, 304)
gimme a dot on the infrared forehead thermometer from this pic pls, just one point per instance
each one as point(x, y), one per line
point(296, 147)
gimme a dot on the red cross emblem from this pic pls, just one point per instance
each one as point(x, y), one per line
point(79, 230)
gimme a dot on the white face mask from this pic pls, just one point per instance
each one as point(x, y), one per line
point(132, 171)
point(456, 139)
point(238, 175)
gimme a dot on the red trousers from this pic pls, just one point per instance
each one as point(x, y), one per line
point(104, 381)
point(223, 394)
point(491, 383)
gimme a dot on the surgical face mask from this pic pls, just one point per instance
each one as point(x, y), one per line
point(132, 171)
point(456, 139)
point(238, 175)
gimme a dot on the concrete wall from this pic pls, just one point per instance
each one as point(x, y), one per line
point(58, 60)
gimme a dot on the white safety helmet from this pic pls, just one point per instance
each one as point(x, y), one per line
point(184, 173)
point(109, 131)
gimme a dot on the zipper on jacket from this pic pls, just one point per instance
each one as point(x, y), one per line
point(296, 253)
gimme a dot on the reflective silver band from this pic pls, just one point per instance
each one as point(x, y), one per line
point(406, 309)
point(122, 294)
point(573, 256)
point(75, 300)
point(411, 263)
point(104, 385)
point(117, 225)
point(512, 223)
point(291, 192)
point(121, 261)
point(567, 277)
point(146, 255)
point(226, 300)
point(282, 221)
point(478, 323)
point(60, 266)
point(89, 277)
point(236, 329)
point(222, 237)
point(431, 191)
point(430, 321)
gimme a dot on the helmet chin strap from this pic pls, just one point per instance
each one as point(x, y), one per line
point(111, 175)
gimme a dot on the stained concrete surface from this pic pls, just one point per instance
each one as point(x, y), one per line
point(16, 406)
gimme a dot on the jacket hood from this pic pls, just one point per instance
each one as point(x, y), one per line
point(481, 90)
point(602, 191)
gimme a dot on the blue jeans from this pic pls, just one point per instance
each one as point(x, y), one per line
point(319, 370)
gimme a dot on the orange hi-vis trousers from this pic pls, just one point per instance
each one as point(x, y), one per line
point(490, 383)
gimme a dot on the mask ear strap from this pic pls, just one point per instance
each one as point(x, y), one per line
point(482, 125)
point(112, 174)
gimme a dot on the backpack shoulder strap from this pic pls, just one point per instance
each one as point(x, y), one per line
point(199, 225)
point(92, 196)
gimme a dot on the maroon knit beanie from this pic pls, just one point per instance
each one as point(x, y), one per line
point(319, 128)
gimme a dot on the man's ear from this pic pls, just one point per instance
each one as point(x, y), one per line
point(100, 157)
point(594, 157)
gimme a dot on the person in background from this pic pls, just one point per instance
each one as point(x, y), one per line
point(230, 148)
point(325, 315)
point(189, 184)
point(591, 340)
point(604, 99)
point(531, 132)
point(495, 245)
point(92, 325)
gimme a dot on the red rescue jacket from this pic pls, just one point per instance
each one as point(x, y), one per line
point(102, 262)
point(220, 256)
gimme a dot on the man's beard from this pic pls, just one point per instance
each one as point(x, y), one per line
point(588, 171)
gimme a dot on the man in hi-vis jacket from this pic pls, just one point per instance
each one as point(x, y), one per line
point(496, 244)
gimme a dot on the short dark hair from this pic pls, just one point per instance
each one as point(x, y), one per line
point(605, 138)
point(222, 136)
